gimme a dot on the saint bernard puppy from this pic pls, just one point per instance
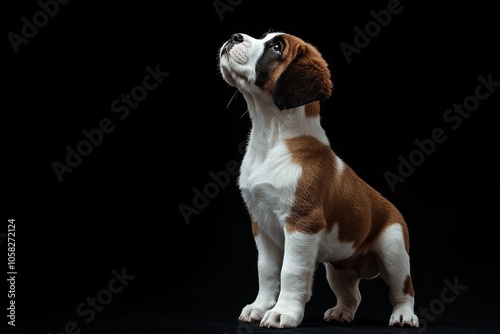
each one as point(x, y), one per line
point(306, 205)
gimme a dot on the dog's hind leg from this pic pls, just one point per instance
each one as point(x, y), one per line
point(346, 290)
point(394, 265)
point(343, 277)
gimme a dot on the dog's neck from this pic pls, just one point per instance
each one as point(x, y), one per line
point(270, 125)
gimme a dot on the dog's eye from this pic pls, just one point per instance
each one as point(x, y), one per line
point(276, 47)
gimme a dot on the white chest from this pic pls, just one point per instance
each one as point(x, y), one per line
point(268, 183)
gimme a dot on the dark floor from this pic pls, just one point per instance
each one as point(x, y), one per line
point(213, 309)
point(215, 323)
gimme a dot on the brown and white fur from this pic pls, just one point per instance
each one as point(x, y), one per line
point(306, 205)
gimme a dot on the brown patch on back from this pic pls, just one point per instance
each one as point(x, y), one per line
point(325, 198)
point(408, 287)
point(361, 212)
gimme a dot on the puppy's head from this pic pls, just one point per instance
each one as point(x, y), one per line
point(291, 71)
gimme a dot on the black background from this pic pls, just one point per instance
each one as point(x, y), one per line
point(119, 208)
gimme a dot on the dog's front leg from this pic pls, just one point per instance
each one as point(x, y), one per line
point(296, 280)
point(270, 259)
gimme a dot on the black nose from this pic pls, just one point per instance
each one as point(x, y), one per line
point(236, 38)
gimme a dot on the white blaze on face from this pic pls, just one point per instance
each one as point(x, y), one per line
point(239, 63)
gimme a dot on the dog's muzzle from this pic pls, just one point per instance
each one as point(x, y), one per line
point(235, 39)
point(237, 54)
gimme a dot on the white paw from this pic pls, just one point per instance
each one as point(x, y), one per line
point(252, 313)
point(282, 318)
point(339, 313)
point(404, 319)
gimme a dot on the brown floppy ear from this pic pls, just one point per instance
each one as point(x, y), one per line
point(306, 79)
